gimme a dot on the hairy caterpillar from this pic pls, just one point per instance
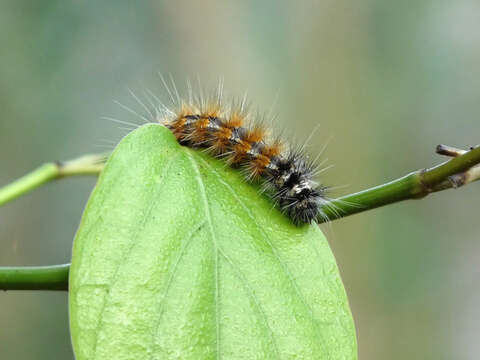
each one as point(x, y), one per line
point(229, 132)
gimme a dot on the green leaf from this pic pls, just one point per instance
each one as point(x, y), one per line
point(177, 257)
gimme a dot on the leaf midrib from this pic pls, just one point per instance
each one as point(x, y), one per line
point(203, 195)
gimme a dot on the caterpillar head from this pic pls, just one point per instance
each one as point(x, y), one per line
point(299, 197)
point(302, 203)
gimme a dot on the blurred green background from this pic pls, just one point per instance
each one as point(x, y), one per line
point(387, 80)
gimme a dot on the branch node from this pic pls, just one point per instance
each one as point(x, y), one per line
point(457, 180)
point(425, 188)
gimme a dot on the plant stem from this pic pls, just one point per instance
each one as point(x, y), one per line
point(35, 278)
point(460, 170)
point(85, 165)
point(44, 277)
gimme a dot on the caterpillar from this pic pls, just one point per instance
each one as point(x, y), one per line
point(229, 132)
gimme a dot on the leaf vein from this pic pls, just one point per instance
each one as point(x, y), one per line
point(256, 301)
point(187, 241)
point(274, 250)
point(126, 255)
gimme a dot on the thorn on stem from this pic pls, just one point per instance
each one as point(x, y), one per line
point(463, 178)
point(449, 150)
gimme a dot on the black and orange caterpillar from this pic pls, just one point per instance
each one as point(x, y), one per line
point(225, 132)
